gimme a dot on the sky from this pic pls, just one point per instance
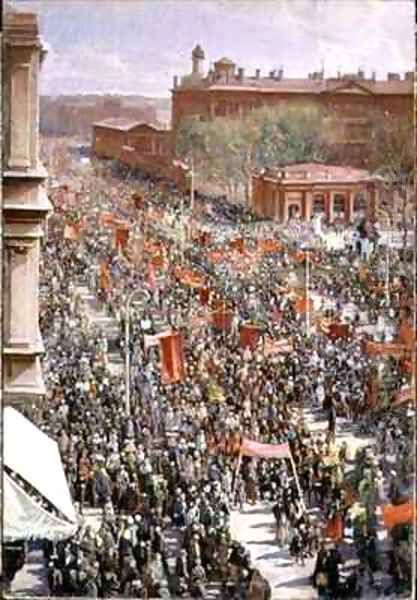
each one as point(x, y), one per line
point(137, 46)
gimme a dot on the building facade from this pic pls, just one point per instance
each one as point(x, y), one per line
point(25, 208)
point(339, 194)
point(227, 91)
point(110, 135)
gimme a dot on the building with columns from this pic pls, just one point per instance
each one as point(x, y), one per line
point(224, 90)
point(339, 194)
point(25, 208)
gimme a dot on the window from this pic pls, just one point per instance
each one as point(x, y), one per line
point(338, 205)
point(319, 206)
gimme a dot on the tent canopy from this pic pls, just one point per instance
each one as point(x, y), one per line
point(35, 457)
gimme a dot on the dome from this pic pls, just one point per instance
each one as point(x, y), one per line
point(198, 52)
point(225, 61)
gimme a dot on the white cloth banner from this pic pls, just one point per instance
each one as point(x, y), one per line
point(35, 457)
point(24, 519)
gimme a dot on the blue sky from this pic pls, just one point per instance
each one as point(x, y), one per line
point(136, 46)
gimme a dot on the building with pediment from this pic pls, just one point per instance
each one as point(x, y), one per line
point(228, 91)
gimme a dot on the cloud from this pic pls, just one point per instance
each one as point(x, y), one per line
point(138, 45)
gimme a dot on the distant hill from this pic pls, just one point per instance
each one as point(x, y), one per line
point(74, 115)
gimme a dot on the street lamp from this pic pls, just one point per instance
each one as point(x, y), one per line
point(127, 347)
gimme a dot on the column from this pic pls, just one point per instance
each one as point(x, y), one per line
point(329, 206)
point(371, 204)
point(349, 207)
point(284, 207)
point(25, 207)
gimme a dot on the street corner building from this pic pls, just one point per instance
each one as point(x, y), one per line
point(25, 208)
point(226, 90)
point(336, 193)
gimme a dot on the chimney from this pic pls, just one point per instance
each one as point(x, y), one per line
point(175, 81)
point(339, 75)
point(258, 73)
point(280, 74)
point(409, 76)
point(394, 77)
point(361, 74)
point(240, 74)
point(272, 74)
point(373, 76)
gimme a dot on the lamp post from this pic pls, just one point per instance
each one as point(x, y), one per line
point(307, 251)
point(387, 272)
point(127, 348)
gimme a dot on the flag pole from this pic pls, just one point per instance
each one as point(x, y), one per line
point(297, 481)
point(237, 469)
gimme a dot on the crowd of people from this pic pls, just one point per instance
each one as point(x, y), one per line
point(167, 474)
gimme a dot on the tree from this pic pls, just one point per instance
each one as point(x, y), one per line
point(391, 159)
point(229, 151)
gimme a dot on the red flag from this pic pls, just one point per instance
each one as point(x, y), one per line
point(384, 349)
point(251, 448)
point(238, 244)
point(222, 319)
point(121, 237)
point(400, 514)
point(105, 218)
point(105, 278)
point(338, 330)
point(204, 294)
point(249, 335)
point(406, 334)
point(334, 528)
point(172, 363)
point(301, 305)
point(269, 246)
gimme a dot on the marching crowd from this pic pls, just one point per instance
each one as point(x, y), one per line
point(167, 473)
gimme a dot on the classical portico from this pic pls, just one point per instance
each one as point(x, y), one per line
point(340, 194)
point(25, 207)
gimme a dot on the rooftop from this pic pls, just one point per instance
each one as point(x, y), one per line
point(124, 124)
point(315, 172)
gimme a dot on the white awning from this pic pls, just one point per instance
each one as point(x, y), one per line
point(35, 457)
point(24, 519)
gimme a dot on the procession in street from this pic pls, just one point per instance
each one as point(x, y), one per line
point(209, 300)
point(238, 368)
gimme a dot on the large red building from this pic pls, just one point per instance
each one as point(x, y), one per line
point(227, 91)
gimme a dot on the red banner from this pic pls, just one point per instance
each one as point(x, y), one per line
point(400, 514)
point(222, 319)
point(301, 305)
point(190, 278)
point(382, 349)
point(251, 448)
point(334, 528)
point(249, 335)
point(338, 330)
point(121, 237)
point(106, 218)
point(269, 246)
point(105, 277)
point(204, 294)
point(238, 244)
point(277, 346)
point(406, 334)
point(172, 363)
